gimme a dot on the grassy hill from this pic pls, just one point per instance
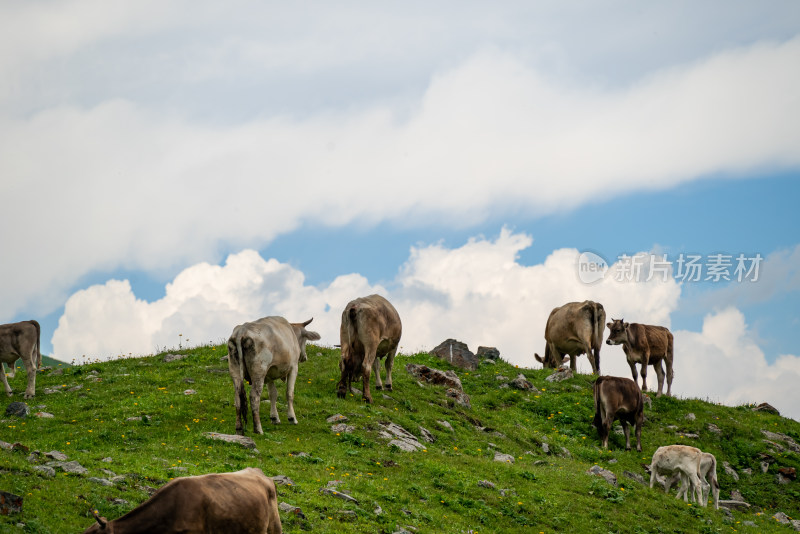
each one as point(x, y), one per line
point(435, 490)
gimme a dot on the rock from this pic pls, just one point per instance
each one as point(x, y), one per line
point(747, 471)
point(690, 435)
point(44, 415)
point(734, 505)
point(500, 378)
point(137, 418)
point(189, 392)
point(562, 373)
point(57, 372)
point(244, 441)
point(789, 473)
point(18, 409)
point(731, 471)
point(690, 416)
point(45, 470)
point(489, 362)
point(406, 441)
point(749, 524)
point(50, 391)
point(486, 484)
point(634, 476)
point(445, 425)
point(378, 510)
point(489, 353)
point(347, 515)
point(782, 518)
point(607, 475)
point(7, 446)
point(764, 467)
point(188, 380)
point(107, 460)
point(434, 376)
point(120, 502)
point(282, 480)
point(500, 457)
point(338, 418)
point(565, 453)
point(456, 353)
point(523, 384)
point(427, 436)
point(714, 428)
point(69, 467)
point(545, 448)
point(406, 446)
point(289, 509)
point(75, 388)
point(108, 473)
point(101, 481)
point(766, 407)
point(736, 496)
point(338, 494)
point(459, 397)
point(10, 503)
point(173, 357)
point(56, 455)
point(19, 447)
point(647, 401)
point(790, 443)
point(342, 428)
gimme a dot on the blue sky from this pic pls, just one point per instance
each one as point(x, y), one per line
point(192, 167)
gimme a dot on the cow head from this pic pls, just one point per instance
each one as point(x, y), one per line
point(351, 365)
point(303, 336)
point(102, 524)
point(618, 332)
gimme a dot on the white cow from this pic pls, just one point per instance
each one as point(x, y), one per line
point(267, 349)
point(678, 459)
point(708, 466)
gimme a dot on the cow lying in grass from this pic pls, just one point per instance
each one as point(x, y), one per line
point(240, 502)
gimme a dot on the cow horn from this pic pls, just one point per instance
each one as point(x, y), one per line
point(308, 322)
point(99, 519)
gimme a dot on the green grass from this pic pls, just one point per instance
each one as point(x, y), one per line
point(432, 491)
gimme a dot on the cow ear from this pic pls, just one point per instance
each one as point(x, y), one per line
point(311, 336)
point(609, 325)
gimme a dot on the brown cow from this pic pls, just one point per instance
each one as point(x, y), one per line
point(646, 345)
point(240, 502)
point(618, 398)
point(21, 340)
point(573, 329)
point(266, 350)
point(370, 330)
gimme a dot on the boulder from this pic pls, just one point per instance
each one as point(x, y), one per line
point(18, 409)
point(434, 376)
point(456, 353)
point(523, 384)
point(10, 503)
point(766, 407)
point(788, 441)
point(489, 353)
point(426, 435)
point(459, 397)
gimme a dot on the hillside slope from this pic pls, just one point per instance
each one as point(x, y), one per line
point(131, 419)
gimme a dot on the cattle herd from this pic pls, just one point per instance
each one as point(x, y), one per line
point(272, 348)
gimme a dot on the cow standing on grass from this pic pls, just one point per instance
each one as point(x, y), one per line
point(21, 341)
point(646, 345)
point(707, 475)
point(573, 329)
point(370, 330)
point(618, 398)
point(684, 461)
point(244, 502)
point(266, 350)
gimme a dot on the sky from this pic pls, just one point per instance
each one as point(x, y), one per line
point(171, 169)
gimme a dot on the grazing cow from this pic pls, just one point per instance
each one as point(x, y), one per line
point(370, 330)
point(21, 340)
point(618, 398)
point(240, 502)
point(708, 467)
point(683, 461)
point(646, 345)
point(267, 349)
point(573, 329)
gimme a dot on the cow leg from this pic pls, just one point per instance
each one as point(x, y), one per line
point(659, 369)
point(592, 358)
point(273, 403)
point(696, 487)
point(12, 369)
point(9, 392)
point(627, 431)
point(632, 365)
point(645, 363)
point(639, 436)
point(290, 380)
point(256, 386)
point(669, 377)
point(239, 398)
point(369, 362)
point(30, 368)
point(376, 366)
point(389, 365)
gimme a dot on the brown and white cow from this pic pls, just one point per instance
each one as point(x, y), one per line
point(646, 345)
point(684, 461)
point(370, 330)
point(707, 475)
point(240, 502)
point(573, 329)
point(21, 341)
point(266, 350)
point(618, 398)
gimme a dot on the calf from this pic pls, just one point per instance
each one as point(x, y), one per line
point(646, 345)
point(618, 398)
point(244, 502)
point(21, 340)
point(708, 477)
point(370, 330)
point(683, 461)
point(266, 350)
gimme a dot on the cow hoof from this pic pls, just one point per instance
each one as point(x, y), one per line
point(627, 449)
point(259, 431)
point(379, 387)
point(341, 394)
point(368, 400)
point(29, 396)
point(10, 393)
point(293, 420)
point(240, 431)
point(275, 420)
point(389, 387)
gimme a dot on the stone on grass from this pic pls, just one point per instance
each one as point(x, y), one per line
point(714, 428)
point(788, 441)
point(731, 471)
point(10, 503)
point(562, 373)
point(101, 481)
point(338, 418)
point(486, 484)
point(282, 480)
point(289, 509)
point(69, 467)
point(766, 407)
point(445, 425)
point(458, 398)
point(607, 475)
point(56, 455)
point(343, 428)
point(44, 415)
point(426, 435)
point(634, 476)
point(173, 357)
point(18, 409)
point(500, 457)
point(523, 384)
point(189, 392)
point(434, 376)
point(107, 459)
point(489, 353)
point(690, 416)
point(456, 353)
point(45, 470)
point(733, 505)
point(338, 494)
point(244, 441)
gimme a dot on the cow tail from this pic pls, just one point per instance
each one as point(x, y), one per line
point(598, 325)
point(352, 333)
point(597, 422)
point(241, 392)
point(669, 358)
point(38, 355)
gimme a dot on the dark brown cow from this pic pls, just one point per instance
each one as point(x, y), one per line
point(240, 502)
point(573, 329)
point(618, 398)
point(21, 340)
point(370, 330)
point(646, 345)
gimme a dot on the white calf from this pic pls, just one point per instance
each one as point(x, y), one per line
point(678, 459)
